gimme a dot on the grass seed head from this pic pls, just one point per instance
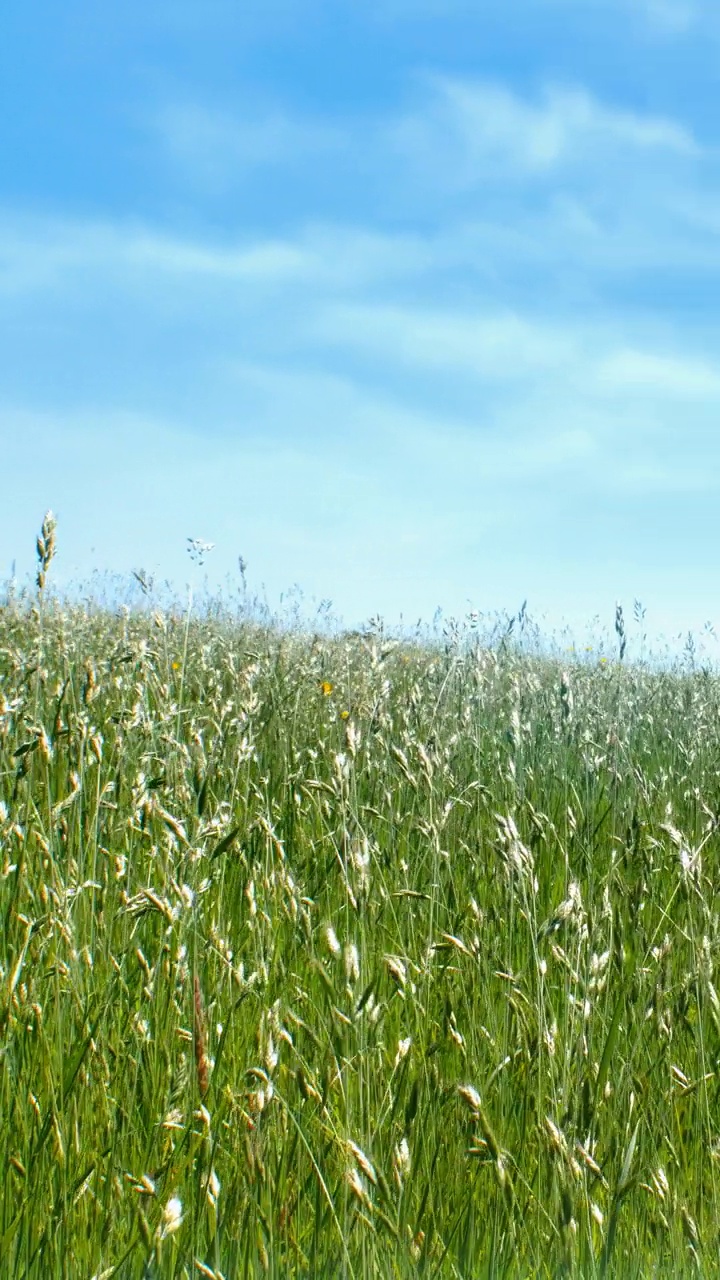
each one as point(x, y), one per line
point(172, 1216)
point(45, 548)
point(471, 1098)
point(202, 1061)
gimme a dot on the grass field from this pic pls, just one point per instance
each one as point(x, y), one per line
point(336, 957)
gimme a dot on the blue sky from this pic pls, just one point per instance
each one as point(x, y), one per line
point(411, 302)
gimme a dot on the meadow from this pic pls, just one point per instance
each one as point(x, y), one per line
point(347, 956)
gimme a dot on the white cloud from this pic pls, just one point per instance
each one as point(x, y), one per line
point(494, 346)
point(649, 478)
point(218, 146)
point(669, 17)
point(38, 253)
point(471, 128)
point(662, 17)
point(459, 133)
point(688, 378)
point(271, 260)
point(348, 262)
point(502, 347)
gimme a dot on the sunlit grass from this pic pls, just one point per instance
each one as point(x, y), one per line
point(329, 957)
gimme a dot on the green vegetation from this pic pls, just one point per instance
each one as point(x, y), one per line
point(332, 957)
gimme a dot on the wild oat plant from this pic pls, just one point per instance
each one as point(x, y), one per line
point(337, 957)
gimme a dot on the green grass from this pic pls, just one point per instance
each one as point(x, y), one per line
point(382, 961)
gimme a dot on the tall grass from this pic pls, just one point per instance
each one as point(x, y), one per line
point(331, 957)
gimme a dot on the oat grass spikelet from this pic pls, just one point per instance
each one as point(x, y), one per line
point(45, 546)
point(202, 1061)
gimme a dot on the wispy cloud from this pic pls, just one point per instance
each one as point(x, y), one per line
point(473, 129)
point(459, 132)
point(670, 17)
point(662, 17)
point(507, 348)
point(502, 182)
point(220, 146)
point(41, 252)
point(360, 306)
point(660, 374)
point(497, 347)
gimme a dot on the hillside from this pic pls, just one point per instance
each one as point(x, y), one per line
point(327, 956)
